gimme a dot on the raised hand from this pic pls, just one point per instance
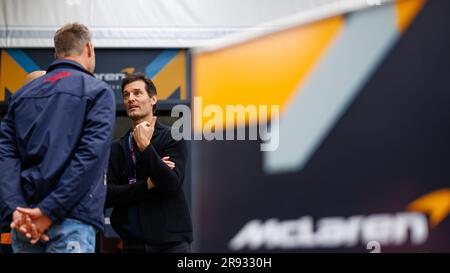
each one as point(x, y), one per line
point(143, 133)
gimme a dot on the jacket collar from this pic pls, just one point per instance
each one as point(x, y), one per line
point(65, 63)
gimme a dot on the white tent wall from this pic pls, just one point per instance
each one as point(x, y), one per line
point(142, 23)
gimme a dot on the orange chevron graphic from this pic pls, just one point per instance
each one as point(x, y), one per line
point(263, 71)
point(172, 77)
point(406, 11)
point(436, 204)
point(128, 70)
point(12, 75)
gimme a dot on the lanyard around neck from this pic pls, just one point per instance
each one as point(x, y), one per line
point(132, 180)
point(130, 144)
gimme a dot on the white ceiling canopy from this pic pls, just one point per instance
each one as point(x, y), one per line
point(143, 23)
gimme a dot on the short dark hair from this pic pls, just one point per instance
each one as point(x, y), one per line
point(149, 85)
point(71, 39)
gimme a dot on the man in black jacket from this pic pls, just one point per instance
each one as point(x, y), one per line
point(145, 176)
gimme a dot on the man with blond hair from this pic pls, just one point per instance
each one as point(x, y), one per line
point(54, 148)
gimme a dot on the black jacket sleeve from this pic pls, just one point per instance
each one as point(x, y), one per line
point(122, 194)
point(165, 179)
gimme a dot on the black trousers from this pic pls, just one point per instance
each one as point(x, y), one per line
point(177, 247)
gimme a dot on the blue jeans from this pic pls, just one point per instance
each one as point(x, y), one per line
point(71, 236)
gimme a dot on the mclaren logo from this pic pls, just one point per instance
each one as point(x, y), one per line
point(334, 232)
point(115, 76)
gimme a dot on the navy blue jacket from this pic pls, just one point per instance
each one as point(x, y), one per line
point(54, 145)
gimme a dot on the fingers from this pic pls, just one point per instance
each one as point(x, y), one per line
point(137, 130)
point(45, 238)
point(144, 123)
point(147, 124)
point(35, 238)
point(21, 222)
point(24, 229)
point(14, 224)
point(34, 235)
point(23, 210)
point(33, 213)
point(30, 228)
point(38, 236)
point(170, 164)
